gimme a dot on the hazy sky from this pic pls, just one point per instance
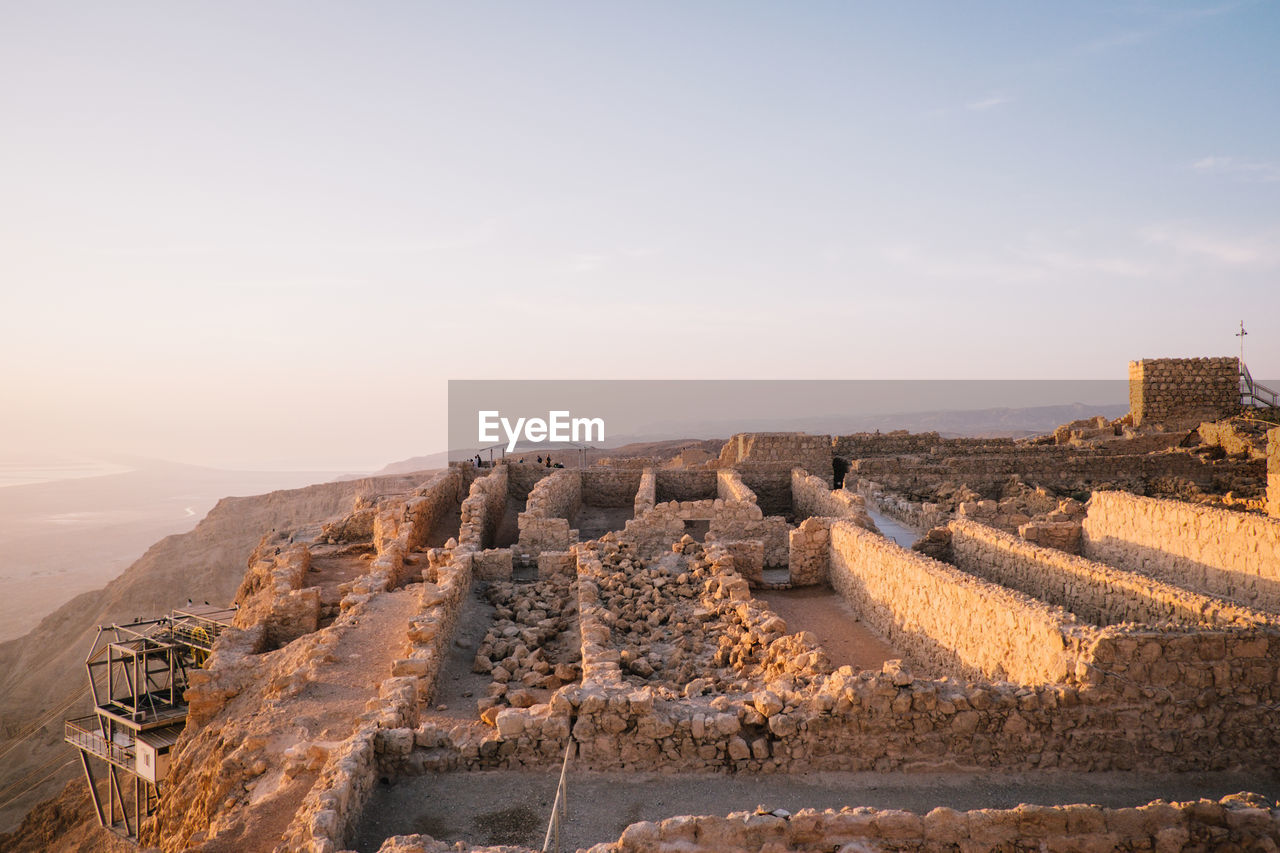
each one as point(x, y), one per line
point(266, 233)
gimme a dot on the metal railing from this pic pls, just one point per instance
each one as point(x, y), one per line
point(559, 808)
point(1253, 393)
point(92, 741)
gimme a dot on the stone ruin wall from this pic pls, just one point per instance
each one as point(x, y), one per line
point(765, 460)
point(1172, 388)
point(523, 476)
point(1094, 592)
point(653, 532)
point(949, 621)
point(1211, 551)
point(861, 445)
point(811, 496)
point(646, 493)
point(1273, 472)
point(415, 518)
point(550, 513)
point(1064, 469)
point(274, 595)
point(729, 487)
point(607, 487)
point(557, 496)
point(483, 509)
point(683, 485)
point(811, 452)
point(1189, 647)
point(808, 552)
point(1235, 822)
point(1227, 435)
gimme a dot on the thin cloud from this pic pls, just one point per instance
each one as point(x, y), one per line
point(988, 103)
point(1165, 21)
point(1261, 171)
point(1236, 251)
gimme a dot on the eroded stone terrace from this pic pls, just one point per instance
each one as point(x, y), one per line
point(647, 650)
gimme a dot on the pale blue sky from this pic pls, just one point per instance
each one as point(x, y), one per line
point(266, 233)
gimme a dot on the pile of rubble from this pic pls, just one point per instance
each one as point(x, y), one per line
point(532, 648)
point(687, 622)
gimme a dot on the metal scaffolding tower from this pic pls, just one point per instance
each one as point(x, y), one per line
point(137, 677)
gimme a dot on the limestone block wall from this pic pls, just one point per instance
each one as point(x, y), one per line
point(554, 563)
point(413, 519)
point(951, 620)
point(810, 496)
point(747, 554)
point(1062, 535)
point(1210, 667)
point(646, 492)
point(1212, 551)
point(809, 551)
point(483, 508)
point(1064, 469)
point(898, 442)
point(1236, 822)
point(557, 496)
point(553, 506)
point(545, 534)
point(881, 721)
point(610, 487)
point(682, 485)
point(1165, 388)
point(771, 483)
point(1273, 472)
point(729, 486)
point(787, 449)
point(492, 564)
point(772, 531)
point(1094, 592)
point(653, 532)
point(523, 476)
point(273, 594)
point(1227, 435)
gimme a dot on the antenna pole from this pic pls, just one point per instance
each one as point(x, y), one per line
point(1240, 334)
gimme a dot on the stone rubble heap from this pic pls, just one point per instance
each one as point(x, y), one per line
point(532, 644)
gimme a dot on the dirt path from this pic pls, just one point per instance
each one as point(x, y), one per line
point(894, 529)
point(458, 687)
point(495, 807)
point(848, 641)
point(325, 710)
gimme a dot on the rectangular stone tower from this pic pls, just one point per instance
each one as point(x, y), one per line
point(1181, 388)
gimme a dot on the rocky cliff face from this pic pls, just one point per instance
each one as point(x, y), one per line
point(45, 669)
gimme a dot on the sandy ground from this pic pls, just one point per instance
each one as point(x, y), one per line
point(496, 807)
point(820, 609)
